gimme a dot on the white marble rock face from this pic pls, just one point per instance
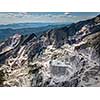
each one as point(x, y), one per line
point(53, 59)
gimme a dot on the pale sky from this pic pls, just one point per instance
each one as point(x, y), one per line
point(45, 17)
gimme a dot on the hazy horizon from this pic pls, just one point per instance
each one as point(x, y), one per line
point(44, 17)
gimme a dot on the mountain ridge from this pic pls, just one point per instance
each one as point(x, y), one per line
point(7, 32)
point(68, 56)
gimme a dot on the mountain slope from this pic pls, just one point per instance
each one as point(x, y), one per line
point(68, 56)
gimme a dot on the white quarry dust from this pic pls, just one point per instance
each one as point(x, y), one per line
point(63, 62)
point(59, 62)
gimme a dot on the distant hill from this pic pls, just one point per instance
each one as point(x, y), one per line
point(26, 28)
point(25, 25)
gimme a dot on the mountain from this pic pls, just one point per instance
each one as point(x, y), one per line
point(67, 56)
point(26, 28)
point(29, 25)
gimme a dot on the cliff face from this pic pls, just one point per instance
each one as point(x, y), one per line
point(68, 56)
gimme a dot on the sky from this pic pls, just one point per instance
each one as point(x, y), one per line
point(44, 17)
